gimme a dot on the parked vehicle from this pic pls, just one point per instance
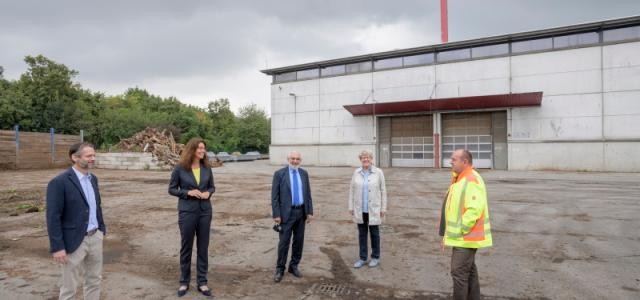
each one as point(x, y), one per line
point(224, 156)
point(252, 155)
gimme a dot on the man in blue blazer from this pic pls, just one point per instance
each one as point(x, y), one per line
point(291, 207)
point(75, 225)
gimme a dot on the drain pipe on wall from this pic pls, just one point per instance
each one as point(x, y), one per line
point(602, 110)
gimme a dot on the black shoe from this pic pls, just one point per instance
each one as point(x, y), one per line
point(182, 292)
point(278, 276)
point(295, 272)
point(206, 292)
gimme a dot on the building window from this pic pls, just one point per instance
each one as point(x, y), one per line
point(360, 67)
point(291, 76)
point(388, 63)
point(332, 71)
point(576, 40)
point(412, 147)
point(420, 59)
point(522, 46)
point(307, 74)
point(621, 34)
point(454, 55)
point(491, 50)
point(531, 45)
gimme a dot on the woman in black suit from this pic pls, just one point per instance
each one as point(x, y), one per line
point(192, 183)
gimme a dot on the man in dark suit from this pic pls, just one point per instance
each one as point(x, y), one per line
point(75, 225)
point(291, 207)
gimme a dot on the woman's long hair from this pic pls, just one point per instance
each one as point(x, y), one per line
point(189, 153)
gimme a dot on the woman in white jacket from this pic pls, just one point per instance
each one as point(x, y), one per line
point(367, 205)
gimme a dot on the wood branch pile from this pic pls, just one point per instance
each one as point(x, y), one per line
point(161, 144)
point(216, 162)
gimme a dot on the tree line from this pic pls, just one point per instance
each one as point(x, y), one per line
point(46, 96)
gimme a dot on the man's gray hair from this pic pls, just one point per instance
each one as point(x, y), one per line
point(292, 152)
point(365, 153)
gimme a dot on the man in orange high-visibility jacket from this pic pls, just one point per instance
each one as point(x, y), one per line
point(465, 224)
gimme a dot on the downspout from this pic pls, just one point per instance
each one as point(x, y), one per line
point(602, 110)
point(319, 112)
point(437, 132)
point(373, 119)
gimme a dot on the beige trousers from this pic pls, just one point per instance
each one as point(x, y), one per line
point(87, 261)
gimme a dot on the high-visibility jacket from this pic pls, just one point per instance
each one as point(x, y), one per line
point(467, 212)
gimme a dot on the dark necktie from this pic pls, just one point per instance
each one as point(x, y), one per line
point(296, 196)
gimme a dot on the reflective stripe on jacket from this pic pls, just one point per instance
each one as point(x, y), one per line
point(467, 212)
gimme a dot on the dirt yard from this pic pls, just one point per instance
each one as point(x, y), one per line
point(557, 235)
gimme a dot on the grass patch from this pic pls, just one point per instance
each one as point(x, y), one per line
point(15, 202)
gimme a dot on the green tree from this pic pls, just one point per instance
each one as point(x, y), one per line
point(45, 96)
point(254, 129)
point(225, 130)
point(56, 101)
point(137, 109)
point(15, 108)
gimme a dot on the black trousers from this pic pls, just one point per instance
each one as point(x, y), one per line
point(293, 227)
point(192, 224)
point(465, 274)
point(363, 230)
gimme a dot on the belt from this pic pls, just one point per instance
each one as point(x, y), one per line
point(297, 206)
point(92, 232)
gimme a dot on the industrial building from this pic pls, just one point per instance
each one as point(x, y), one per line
point(564, 98)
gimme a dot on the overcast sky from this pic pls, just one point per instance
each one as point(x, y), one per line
point(199, 51)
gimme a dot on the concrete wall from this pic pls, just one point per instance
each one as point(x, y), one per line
point(321, 155)
point(315, 123)
point(128, 161)
point(590, 112)
point(583, 156)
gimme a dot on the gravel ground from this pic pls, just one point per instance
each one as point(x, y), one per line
point(557, 235)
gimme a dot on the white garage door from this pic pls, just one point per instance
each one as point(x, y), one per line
point(412, 141)
point(471, 131)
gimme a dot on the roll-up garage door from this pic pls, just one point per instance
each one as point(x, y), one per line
point(412, 141)
point(471, 131)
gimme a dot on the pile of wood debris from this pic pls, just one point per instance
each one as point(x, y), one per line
point(161, 144)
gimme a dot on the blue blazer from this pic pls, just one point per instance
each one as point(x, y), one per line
point(68, 211)
point(281, 194)
point(182, 181)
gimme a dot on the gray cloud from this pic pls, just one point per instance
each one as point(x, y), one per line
point(199, 50)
